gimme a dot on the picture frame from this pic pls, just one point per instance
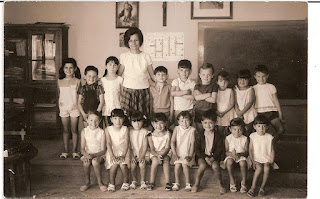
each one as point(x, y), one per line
point(211, 10)
point(127, 14)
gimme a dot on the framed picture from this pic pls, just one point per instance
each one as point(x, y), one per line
point(127, 14)
point(211, 10)
point(121, 39)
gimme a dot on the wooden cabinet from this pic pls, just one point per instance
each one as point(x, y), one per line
point(33, 56)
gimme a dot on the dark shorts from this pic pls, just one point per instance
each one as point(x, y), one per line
point(271, 115)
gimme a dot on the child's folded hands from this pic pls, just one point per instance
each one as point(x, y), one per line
point(188, 158)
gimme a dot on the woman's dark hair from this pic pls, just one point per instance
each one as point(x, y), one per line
point(238, 122)
point(72, 61)
point(111, 58)
point(209, 114)
point(131, 31)
point(118, 113)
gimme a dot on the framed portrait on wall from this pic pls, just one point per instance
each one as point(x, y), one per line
point(127, 14)
point(211, 10)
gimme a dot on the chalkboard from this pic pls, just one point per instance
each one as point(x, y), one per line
point(280, 45)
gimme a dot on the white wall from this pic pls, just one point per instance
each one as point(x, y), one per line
point(93, 36)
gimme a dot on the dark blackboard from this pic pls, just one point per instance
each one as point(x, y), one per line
point(282, 46)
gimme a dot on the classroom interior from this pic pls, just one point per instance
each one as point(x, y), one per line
point(270, 33)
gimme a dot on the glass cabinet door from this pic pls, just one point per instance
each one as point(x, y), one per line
point(43, 57)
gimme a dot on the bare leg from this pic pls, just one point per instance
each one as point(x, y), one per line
point(230, 163)
point(125, 172)
point(154, 168)
point(86, 168)
point(74, 131)
point(276, 123)
point(243, 168)
point(256, 176)
point(106, 122)
point(265, 175)
point(133, 170)
point(177, 168)
point(113, 173)
point(142, 172)
point(65, 123)
point(202, 167)
point(216, 168)
point(186, 172)
point(97, 170)
point(166, 168)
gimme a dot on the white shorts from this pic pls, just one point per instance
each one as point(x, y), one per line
point(69, 113)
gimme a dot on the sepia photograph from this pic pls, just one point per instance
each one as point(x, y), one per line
point(170, 100)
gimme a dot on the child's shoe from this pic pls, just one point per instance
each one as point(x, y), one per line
point(175, 187)
point(168, 187)
point(194, 189)
point(125, 186)
point(84, 187)
point(188, 187)
point(233, 188)
point(111, 188)
point(133, 185)
point(250, 193)
point(222, 190)
point(143, 185)
point(261, 192)
point(243, 189)
point(150, 187)
point(103, 188)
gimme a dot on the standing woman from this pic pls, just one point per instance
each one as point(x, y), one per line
point(136, 68)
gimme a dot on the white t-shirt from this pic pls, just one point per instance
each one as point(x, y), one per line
point(135, 75)
point(264, 99)
point(261, 147)
point(180, 103)
point(93, 139)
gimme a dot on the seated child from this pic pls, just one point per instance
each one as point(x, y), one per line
point(261, 153)
point(90, 94)
point(237, 146)
point(93, 147)
point(244, 100)
point(225, 102)
point(267, 102)
point(209, 148)
point(160, 94)
point(117, 149)
point(182, 146)
point(205, 94)
point(138, 145)
point(182, 89)
point(159, 142)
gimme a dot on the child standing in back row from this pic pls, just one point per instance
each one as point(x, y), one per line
point(112, 84)
point(182, 89)
point(267, 102)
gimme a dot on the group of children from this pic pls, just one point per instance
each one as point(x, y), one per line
point(130, 90)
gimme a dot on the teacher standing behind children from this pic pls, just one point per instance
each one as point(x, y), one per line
point(136, 68)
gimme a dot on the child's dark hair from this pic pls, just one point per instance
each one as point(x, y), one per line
point(185, 114)
point(111, 58)
point(89, 68)
point(207, 66)
point(131, 31)
point(184, 63)
point(209, 114)
point(72, 61)
point(225, 75)
point(95, 113)
point(262, 69)
point(118, 113)
point(244, 74)
point(137, 116)
point(156, 117)
point(161, 69)
point(238, 122)
point(261, 119)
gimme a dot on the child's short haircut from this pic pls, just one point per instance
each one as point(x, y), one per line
point(225, 75)
point(117, 113)
point(184, 63)
point(89, 68)
point(244, 74)
point(161, 69)
point(111, 58)
point(261, 119)
point(157, 117)
point(186, 115)
point(72, 61)
point(238, 122)
point(137, 116)
point(207, 66)
point(131, 31)
point(95, 113)
point(210, 115)
point(262, 69)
